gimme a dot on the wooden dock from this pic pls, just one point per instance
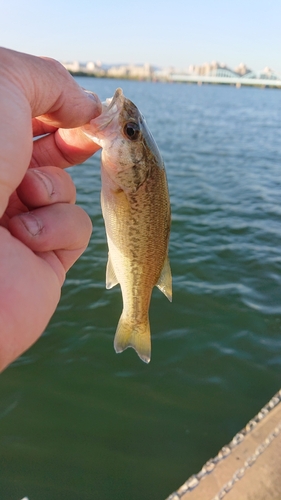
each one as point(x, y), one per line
point(248, 468)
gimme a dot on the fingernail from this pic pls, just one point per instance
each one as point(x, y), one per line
point(46, 181)
point(92, 96)
point(32, 224)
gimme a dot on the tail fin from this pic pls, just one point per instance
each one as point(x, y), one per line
point(135, 336)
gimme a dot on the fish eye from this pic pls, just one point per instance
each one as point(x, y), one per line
point(131, 130)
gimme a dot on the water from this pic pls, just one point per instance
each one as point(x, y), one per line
point(80, 422)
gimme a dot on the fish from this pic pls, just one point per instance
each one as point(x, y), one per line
point(137, 215)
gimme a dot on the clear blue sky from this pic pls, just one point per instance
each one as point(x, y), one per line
point(165, 33)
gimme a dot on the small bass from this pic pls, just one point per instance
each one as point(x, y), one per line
point(136, 210)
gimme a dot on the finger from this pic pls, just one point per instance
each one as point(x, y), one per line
point(64, 148)
point(45, 186)
point(63, 228)
point(41, 128)
point(31, 289)
point(34, 86)
point(50, 90)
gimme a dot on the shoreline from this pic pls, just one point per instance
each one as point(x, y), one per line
point(191, 80)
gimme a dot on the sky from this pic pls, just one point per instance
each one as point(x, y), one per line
point(163, 33)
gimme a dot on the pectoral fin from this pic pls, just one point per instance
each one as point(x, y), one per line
point(111, 279)
point(165, 281)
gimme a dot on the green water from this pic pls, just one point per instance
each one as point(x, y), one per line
point(79, 422)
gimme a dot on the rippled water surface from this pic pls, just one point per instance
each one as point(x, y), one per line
point(79, 422)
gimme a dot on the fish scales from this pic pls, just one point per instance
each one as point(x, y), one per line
point(136, 211)
point(138, 262)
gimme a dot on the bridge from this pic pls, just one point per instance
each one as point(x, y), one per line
point(227, 77)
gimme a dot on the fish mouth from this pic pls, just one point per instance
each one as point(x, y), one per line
point(106, 123)
point(117, 99)
point(110, 112)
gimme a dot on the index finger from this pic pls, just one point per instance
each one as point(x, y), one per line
point(31, 86)
point(49, 89)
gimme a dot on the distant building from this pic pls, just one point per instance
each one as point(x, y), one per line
point(95, 68)
point(73, 67)
point(269, 74)
point(118, 71)
point(242, 69)
point(139, 71)
point(213, 71)
point(163, 74)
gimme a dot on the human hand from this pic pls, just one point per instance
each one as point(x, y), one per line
point(42, 231)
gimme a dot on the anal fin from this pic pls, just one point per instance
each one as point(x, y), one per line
point(165, 281)
point(111, 279)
